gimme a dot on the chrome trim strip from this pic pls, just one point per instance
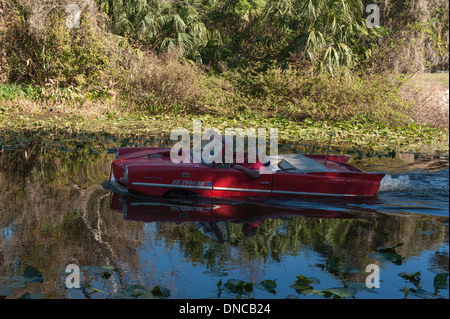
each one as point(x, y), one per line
point(203, 187)
point(314, 194)
point(241, 189)
point(170, 185)
point(251, 190)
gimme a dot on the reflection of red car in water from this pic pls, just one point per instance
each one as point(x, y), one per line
point(151, 171)
point(152, 210)
point(211, 214)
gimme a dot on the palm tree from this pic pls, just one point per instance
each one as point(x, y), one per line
point(162, 25)
point(326, 31)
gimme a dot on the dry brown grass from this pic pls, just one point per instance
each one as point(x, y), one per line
point(3, 75)
point(87, 109)
point(160, 83)
point(430, 94)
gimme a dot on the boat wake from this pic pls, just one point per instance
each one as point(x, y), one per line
point(389, 183)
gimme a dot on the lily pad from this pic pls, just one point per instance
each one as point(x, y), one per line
point(268, 285)
point(302, 283)
point(441, 281)
point(135, 291)
point(238, 286)
point(420, 293)
point(28, 295)
point(389, 250)
point(413, 278)
point(340, 292)
point(160, 291)
point(31, 274)
point(334, 265)
point(390, 254)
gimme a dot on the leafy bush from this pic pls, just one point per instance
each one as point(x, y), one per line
point(54, 55)
point(14, 91)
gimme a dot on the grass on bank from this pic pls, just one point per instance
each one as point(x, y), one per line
point(364, 113)
point(61, 120)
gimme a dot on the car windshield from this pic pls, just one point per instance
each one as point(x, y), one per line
point(204, 151)
point(205, 157)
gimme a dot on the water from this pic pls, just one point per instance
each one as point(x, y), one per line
point(54, 212)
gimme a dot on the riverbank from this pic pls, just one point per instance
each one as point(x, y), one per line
point(367, 137)
point(415, 121)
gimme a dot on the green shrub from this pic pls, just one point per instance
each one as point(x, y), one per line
point(55, 55)
point(14, 91)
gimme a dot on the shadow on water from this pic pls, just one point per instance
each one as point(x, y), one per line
point(54, 212)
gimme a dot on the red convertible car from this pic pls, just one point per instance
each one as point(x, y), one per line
point(151, 171)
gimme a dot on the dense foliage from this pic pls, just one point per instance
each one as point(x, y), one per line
point(293, 59)
point(328, 33)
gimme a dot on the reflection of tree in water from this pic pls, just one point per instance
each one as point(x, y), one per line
point(55, 217)
point(216, 231)
point(439, 261)
point(350, 239)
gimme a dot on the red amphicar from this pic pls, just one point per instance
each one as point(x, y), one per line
point(150, 171)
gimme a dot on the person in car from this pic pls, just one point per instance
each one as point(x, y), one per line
point(252, 170)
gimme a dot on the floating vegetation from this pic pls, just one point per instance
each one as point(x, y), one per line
point(242, 289)
point(140, 292)
point(440, 282)
point(9, 284)
point(362, 140)
point(390, 254)
point(303, 285)
point(413, 278)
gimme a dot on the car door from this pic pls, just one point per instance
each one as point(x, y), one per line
point(192, 177)
point(231, 182)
